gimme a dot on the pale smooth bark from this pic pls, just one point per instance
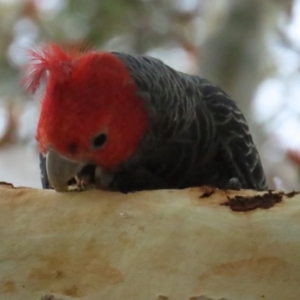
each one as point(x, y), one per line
point(168, 244)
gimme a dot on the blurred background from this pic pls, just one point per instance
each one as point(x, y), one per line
point(251, 48)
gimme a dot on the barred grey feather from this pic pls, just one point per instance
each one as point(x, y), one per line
point(198, 135)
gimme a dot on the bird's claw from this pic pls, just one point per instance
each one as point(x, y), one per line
point(234, 184)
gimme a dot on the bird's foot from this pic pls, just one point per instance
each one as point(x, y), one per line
point(233, 184)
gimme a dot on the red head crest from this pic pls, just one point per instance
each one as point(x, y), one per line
point(86, 94)
point(50, 59)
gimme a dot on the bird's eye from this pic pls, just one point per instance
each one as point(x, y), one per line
point(99, 140)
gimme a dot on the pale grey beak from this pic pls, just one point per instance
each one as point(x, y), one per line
point(60, 170)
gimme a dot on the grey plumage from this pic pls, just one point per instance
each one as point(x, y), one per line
point(198, 134)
